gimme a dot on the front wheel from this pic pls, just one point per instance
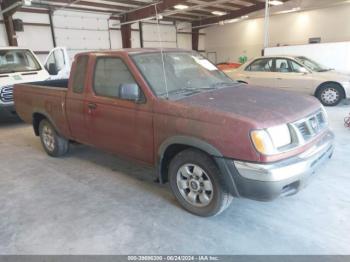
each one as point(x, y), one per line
point(197, 184)
point(330, 94)
point(54, 144)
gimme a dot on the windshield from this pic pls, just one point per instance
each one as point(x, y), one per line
point(12, 61)
point(186, 73)
point(314, 66)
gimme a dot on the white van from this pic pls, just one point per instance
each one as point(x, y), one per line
point(20, 65)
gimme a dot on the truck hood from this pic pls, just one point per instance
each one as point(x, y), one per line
point(263, 107)
point(23, 77)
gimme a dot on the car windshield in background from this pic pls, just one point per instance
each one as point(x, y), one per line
point(185, 73)
point(314, 66)
point(12, 61)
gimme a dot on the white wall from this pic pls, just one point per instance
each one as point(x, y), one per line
point(246, 38)
point(332, 55)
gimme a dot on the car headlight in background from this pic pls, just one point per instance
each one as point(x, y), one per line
point(268, 141)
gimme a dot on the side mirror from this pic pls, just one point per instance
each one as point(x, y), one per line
point(52, 69)
point(304, 71)
point(130, 91)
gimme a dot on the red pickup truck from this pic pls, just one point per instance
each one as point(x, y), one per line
point(210, 137)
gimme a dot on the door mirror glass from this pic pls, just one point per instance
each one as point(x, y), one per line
point(52, 69)
point(130, 91)
point(303, 70)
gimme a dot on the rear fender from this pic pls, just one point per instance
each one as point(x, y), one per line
point(38, 116)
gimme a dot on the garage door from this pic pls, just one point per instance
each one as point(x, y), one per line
point(151, 35)
point(80, 33)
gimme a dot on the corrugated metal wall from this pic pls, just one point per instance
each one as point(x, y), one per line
point(85, 31)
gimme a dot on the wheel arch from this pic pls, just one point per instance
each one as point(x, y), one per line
point(330, 82)
point(37, 117)
point(174, 145)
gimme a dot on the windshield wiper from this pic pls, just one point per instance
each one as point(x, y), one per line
point(220, 84)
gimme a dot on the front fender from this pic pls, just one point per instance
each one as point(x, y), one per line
point(189, 141)
point(197, 144)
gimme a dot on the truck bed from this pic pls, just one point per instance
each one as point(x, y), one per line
point(46, 98)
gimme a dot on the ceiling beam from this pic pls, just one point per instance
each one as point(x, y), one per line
point(150, 11)
point(233, 14)
point(67, 4)
point(8, 8)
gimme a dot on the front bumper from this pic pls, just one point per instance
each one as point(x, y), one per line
point(346, 86)
point(268, 181)
point(7, 108)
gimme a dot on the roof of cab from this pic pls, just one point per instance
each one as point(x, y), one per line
point(276, 56)
point(136, 51)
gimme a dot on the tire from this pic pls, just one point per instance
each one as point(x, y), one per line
point(205, 195)
point(54, 144)
point(330, 94)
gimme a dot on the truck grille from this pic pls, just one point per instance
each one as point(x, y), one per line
point(311, 126)
point(6, 94)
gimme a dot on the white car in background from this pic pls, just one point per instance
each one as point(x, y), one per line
point(295, 73)
point(20, 65)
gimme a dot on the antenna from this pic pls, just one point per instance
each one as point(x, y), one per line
point(161, 52)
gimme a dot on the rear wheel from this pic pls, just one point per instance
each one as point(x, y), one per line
point(330, 94)
point(54, 144)
point(197, 184)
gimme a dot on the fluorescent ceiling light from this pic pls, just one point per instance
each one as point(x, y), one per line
point(27, 2)
point(275, 2)
point(295, 9)
point(181, 7)
point(218, 13)
point(232, 21)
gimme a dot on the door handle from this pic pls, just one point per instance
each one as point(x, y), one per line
point(92, 106)
point(278, 78)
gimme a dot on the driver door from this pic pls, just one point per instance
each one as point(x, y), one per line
point(57, 64)
point(120, 126)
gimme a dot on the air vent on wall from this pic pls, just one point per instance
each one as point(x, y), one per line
point(18, 25)
point(314, 40)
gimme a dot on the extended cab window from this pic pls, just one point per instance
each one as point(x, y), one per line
point(79, 75)
point(260, 65)
point(110, 74)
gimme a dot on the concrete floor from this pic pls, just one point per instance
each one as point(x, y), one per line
point(90, 202)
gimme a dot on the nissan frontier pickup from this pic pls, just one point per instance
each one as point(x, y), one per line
point(209, 137)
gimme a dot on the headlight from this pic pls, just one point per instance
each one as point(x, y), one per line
point(268, 141)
